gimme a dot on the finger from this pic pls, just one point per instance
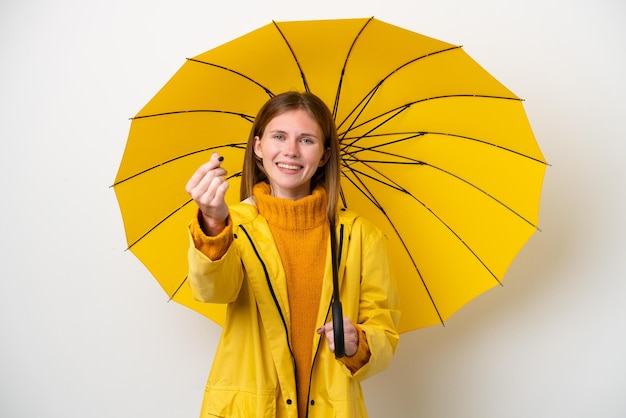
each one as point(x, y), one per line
point(209, 190)
point(212, 178)
point(220, 193)
point(330, 340)
point(350, 332)
point(214, 193)
point(214, 162)
point(348, 327)
point(326, 330)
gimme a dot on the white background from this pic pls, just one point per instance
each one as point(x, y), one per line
point(85, 330)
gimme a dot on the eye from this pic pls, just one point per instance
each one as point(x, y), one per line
point(307, 140)
point(278, 137)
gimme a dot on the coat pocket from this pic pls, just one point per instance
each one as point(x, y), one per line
point(349, 408)
point(233, 403)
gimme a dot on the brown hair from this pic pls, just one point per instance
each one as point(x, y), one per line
point(326, 176)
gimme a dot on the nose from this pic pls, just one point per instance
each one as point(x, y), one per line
point(290, 147)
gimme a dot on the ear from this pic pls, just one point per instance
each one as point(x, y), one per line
point(257, 147)
point(325, 157)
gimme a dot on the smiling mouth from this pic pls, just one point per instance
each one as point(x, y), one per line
point(288, 166)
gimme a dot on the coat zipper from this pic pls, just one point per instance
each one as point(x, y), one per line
point(319, 343)
point(271, 289)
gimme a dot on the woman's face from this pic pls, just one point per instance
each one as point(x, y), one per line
point(292, 149)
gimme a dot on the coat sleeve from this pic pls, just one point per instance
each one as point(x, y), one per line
point(212, 281)
point(213, 247)
point(379, 310)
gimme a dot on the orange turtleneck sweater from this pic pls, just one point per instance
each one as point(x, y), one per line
point(294, 222)
point(300, 230)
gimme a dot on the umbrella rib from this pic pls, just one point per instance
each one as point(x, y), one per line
point(432, 212)
point(396, 186)
point(345, 64)
point(489, 195)
point(177, 112)
point(484, 142)
point(412, 135)
point(382, 81)
point(159, 223)
point(155, 226)
point(233, 145)
point(412, 161)
point(390, 182)
point(295, 58)
point(177, 289)
point(396, 111)
point(230, 70)
point(399, 109)
point(367, 99)
point(409, 136)
point(369, 195)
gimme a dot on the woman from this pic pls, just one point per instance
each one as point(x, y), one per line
point(269, 259)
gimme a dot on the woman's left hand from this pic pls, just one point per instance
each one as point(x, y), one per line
point(350, 335)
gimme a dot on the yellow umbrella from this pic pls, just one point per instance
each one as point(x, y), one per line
point(435, 151)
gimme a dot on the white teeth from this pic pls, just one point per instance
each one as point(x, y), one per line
point(288, 167)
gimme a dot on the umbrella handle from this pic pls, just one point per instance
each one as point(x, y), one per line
point(340, 344)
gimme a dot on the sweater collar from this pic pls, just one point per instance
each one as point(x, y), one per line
point(308, 212)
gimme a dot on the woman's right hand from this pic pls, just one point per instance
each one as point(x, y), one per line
point(207, 188)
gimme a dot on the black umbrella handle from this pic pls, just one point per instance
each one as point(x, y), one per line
point(340, 344)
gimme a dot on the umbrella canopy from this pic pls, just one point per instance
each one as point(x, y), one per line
point(435, 151)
